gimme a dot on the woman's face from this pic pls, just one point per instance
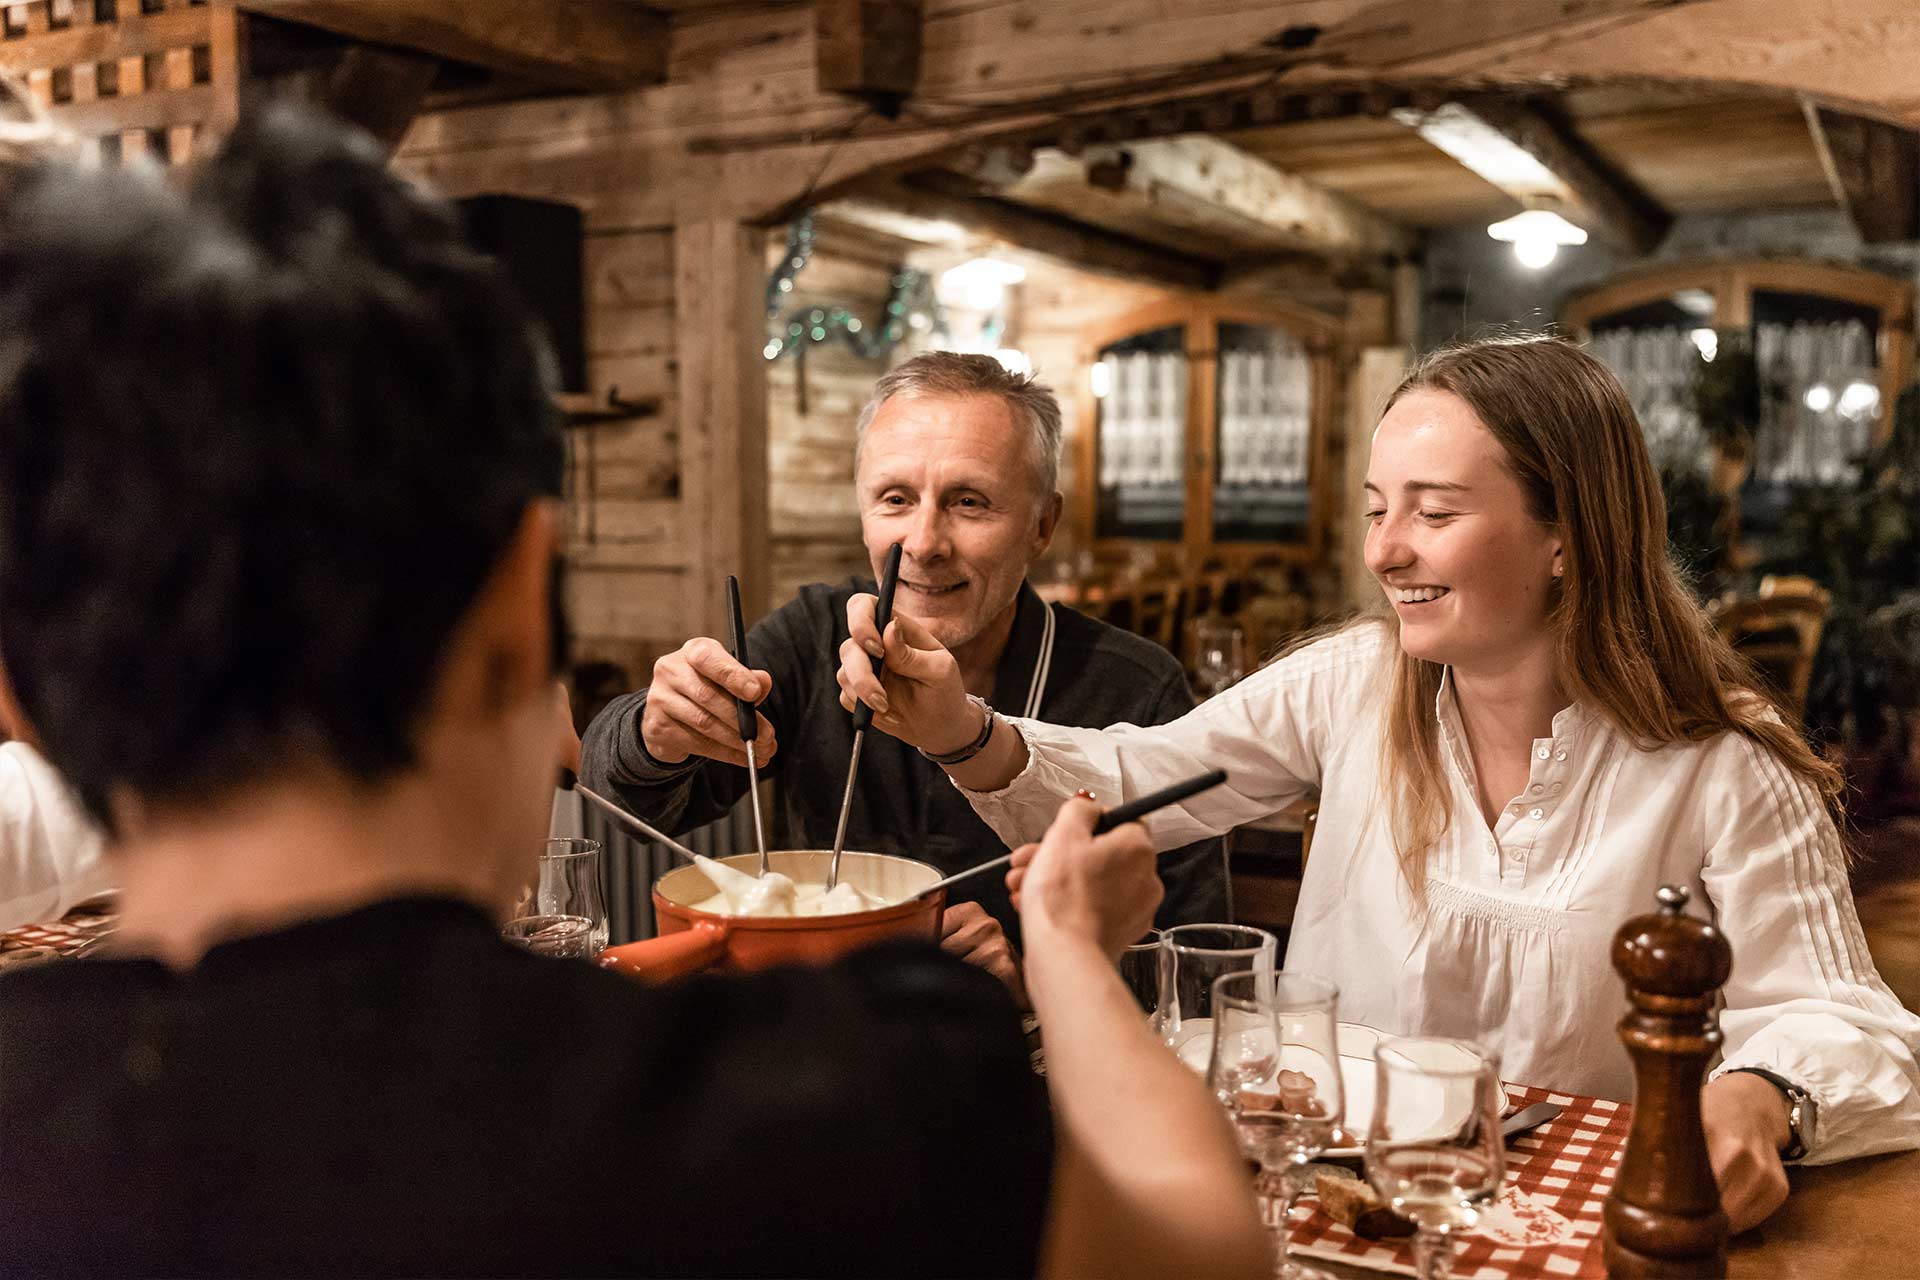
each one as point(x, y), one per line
point(1451, 541)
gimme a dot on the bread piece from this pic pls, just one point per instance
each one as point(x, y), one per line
point(1354, 1205)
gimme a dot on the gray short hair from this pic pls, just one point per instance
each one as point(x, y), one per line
point(954, 373)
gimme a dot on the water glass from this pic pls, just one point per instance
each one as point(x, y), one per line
point(569, 885)
point(1434, 1150)
point(559, 937)
point(1194, 956)
point(1219, 655)
point(1275, 1068)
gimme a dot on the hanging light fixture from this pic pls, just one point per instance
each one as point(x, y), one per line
point(1536, 234)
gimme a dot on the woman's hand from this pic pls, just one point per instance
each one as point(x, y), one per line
point(1104, 888)
point(919, 698)
point(1746, 1122)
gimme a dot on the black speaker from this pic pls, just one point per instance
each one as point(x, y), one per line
point(538, 242)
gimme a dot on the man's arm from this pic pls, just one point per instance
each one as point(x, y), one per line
point(677, 795)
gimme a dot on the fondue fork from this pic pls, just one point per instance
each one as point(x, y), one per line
point(650, 832)
point(862, 713)
point(749, 720)
point(1119, 815)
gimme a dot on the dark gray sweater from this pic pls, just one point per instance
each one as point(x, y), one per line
point(1096, 676)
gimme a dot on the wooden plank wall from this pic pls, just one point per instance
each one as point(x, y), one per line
point(813, 517)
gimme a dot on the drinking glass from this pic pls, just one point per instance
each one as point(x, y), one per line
point(1275, 1067)
point(569, 885)
point(561, 937)
point(1434, 1150)
point(1140, 970)
point(1219, 655)
point(1195, 955)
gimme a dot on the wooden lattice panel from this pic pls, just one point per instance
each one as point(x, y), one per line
point(133, 77)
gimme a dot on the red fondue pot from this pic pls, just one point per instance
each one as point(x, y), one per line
point(691, 939)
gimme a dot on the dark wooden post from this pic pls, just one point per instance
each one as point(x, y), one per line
point(1663, 1217)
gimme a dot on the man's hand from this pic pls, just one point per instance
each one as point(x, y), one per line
point(1746, 1122)
point(1103, 888)
point(967, 931)
point(690, 706)
point(920, 698)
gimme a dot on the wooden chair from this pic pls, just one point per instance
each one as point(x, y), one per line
point(1778, 631)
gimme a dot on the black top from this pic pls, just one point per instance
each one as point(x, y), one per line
point(398, 1091)
point(1097, 676)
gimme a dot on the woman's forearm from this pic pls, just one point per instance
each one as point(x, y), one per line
point(1140, 1125)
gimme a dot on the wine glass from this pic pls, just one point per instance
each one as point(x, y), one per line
point(1194, 955)
point(1434, 1151)
point(1275, 1067)
point(1219, 655)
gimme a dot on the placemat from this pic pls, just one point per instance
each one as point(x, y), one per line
point(1546, 1220)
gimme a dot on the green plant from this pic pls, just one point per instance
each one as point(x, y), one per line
point(1729, 394)
point(1860, 539)
point(1696, 516)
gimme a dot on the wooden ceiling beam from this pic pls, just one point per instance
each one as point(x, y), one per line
point(585, 45)
point(1211, 187)
point(868, 49)
point(1874, 170)
point(946, 197)
point(1615, 206)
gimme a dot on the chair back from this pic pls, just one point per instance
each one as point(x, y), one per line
point(1778, 631)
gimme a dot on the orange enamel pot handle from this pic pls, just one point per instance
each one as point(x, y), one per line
point(672, 955)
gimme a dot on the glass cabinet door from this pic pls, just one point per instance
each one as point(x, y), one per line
point(1140, 430)
point(1263, 443)
point(1656, 349)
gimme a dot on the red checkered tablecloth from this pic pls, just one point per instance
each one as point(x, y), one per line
point(74, 935)
point(1546, 1220)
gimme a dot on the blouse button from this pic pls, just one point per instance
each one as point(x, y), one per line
point(1518, 856)
point(1558, 755)
point(1536, 788)
point(1536, 813)
point(1556, 788)
point(1543, 753)
point(1515, 809)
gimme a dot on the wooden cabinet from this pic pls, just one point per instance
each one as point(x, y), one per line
point(1207, 432)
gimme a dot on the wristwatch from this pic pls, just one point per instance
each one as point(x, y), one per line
point(979, 742)
point(1802, 1112)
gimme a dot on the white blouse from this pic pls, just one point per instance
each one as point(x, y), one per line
point(1514, 948)
point(50, 853)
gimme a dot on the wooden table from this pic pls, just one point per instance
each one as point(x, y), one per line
point(1852, 1221)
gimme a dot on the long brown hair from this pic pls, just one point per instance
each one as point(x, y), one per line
point(1632, 642)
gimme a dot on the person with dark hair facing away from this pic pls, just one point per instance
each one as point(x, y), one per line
point(277, 534)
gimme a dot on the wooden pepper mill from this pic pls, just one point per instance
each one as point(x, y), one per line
point(1663, 1216)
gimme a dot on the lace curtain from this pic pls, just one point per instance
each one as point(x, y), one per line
point(1143, 433)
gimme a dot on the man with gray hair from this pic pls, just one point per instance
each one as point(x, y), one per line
point(957, 460)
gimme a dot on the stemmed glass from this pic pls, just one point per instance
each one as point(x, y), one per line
point(1434, 1150)
point(1275, 1067)
point(1219, 655)
point(564, 915)
point(1194, 955)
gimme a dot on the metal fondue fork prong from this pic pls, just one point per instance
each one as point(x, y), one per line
point(862, 713)
point(749, 719)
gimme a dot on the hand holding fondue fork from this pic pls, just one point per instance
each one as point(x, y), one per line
point(693, 706)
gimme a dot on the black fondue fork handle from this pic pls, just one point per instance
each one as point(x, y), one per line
point(882, 615)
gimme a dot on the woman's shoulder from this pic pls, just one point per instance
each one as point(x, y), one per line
point(1355, 648)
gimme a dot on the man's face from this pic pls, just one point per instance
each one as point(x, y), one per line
point(953, 478)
